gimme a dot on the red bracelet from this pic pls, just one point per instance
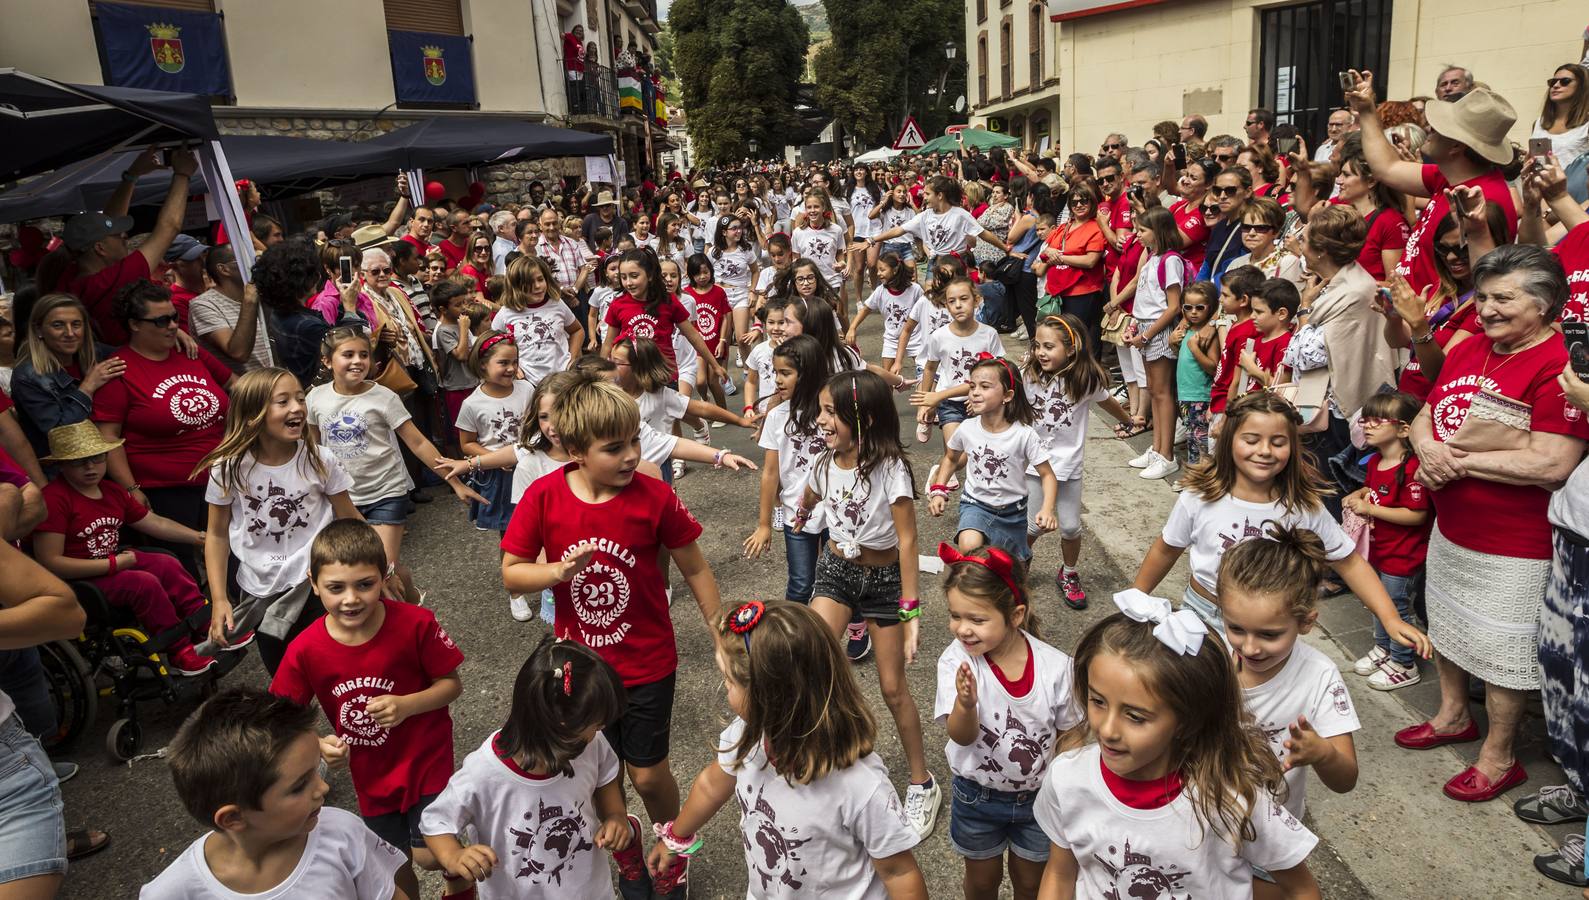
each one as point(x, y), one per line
point(938, 489)
point(112, 560)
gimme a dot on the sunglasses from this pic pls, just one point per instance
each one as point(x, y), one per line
point(1194, 307)
point(1080, 201)
point(383, 270)
point(164, 321)
point(1114, 146)
point(1558, 82)
point(1258, 229)
point(1253, 122)
point(1209, 210)
point(1223, 158)
point(1109, 179)
point(1449, 250)
point(483, 248)
point(1224, 191)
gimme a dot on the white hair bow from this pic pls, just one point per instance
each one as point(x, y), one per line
point(1180, 630)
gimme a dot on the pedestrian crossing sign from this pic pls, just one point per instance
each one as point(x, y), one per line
point(910, 137)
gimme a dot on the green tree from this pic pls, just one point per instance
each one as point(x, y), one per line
point(739, 62)
point(883, 58)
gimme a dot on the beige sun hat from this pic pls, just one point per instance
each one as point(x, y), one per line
point(79, 440)
point(1480, 120)
point(605, 198)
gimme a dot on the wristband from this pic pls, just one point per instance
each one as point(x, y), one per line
point(749, 407)
point(909, 603)
point(905, 615)
point(717, 461)
point(939, 490)
point(112, 560)
point(1427, 337)
point(674, 843)
point(134, 488)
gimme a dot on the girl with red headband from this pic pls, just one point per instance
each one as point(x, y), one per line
point(1005, 698)
point(490, 419)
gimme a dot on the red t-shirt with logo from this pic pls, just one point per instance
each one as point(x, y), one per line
point(616, 605)
point(1463, 318)
point(172, 412)
point(1397, 549)
point(1488, 516)
point(1573, 251)
point(1417, 262)
point(92, 528)
point(1268, 354)
point(392, 768)
point(629, 318)
point(98, 290)
point(711, 308)
point(1189, 219)
point(1229, 362)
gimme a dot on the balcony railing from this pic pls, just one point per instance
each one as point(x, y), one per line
point(596, 94)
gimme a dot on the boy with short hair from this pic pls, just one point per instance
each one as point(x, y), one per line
point(603, 527)
point(452, 339)
point(247, 765)
point(384, 672)
point(1274, 308)
point(1235, 328)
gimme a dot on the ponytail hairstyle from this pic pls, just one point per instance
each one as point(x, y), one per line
point(1082, 373)
point(1287, 564)
point(646, 361)
point(563, 689)
point(978, 581)
point(656, 293)
point(1017, 408)
point(805, 356)
point(899, 280)
point(1224, 760)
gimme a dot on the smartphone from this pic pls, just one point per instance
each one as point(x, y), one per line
point(1178, 153)
point(345, 269)
point(1539, 148)
point(1577, 336)
point(1348, 81)
point(1286, 145)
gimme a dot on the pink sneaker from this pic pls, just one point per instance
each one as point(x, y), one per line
point(1070, 586)
point(187, 661)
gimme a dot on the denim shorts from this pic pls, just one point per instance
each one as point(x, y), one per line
point(32, 824)
point(951, 412)
point(1205, 610)
point(905, 249)
point(390, 511)
point(871, 591)
point(1000, 526)
point(983, 823)
point(401, 829)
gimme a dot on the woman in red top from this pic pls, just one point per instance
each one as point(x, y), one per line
point(1192, 187)
point(1071, 263)
point(1489, 556)
point(1261, 165)
point(1380, 207)
point(170, 409)
point(477, 265)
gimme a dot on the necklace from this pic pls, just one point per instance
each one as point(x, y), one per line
point(1490, 354)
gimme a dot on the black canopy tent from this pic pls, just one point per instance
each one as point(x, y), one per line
point(462, 140)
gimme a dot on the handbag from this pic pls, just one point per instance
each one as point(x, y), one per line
point(1114, 327)
point(395, 378)
point(1494, 422)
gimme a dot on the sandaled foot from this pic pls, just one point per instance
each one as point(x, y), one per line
point(85, 842)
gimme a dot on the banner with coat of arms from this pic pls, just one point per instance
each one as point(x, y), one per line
point(163, 49)
point(431, 68)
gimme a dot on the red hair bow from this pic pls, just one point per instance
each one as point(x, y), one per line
point(997, 561)
point(1009, 374)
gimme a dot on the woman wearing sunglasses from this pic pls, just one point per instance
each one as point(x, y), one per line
point(477, 263)
point(1071, 263)
point(1232, 189)
point(1565, 121)
point(170, 409)
point(1192, 187)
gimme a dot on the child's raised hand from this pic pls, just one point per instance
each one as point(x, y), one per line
point(1409, 636)
point(1305, 747)
point(965, 687)
point(388, 710)
point(614, 833)
point(577, 559)
point(757, 542)
point(334, 751)
point(451, 468)
point(473, 862)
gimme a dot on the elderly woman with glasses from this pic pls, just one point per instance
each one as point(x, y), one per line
point(1496, 436)
point(169, 409)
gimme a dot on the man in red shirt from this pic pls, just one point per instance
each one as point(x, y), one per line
point(420, 225)
point(456, 246)
point(185, 258)
point(101, 263)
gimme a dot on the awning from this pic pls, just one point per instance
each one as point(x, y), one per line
point(444, 141)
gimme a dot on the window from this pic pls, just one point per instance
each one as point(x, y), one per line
point(1304, 47)
point(434, 16)
point(982, 67)
point(982, 11)
point(1006, 58)
point(1035, 42)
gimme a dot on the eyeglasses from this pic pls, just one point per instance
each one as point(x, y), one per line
point(1376, 421)
point(1558, 82)
point(1220, 191)
point(164, 321)
point(1260, 229)
point(805, 278)
point(1194, 307)
point(1450, 250)
point(1223, 158)
point(382, 270)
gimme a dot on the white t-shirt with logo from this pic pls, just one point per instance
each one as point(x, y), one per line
point(859, 511)
point(1308, 684)
point(814, 840)
point(929, 317)
point(1015, 735)
point(862, 201)
point(1209, 528)
point(797, 456)
point(541, 334)
point(732, 271)
point(759, 360)
point(543, 830)
point(276, 513)
point(996, 462)
point(495, 421)
point(956, 354)
point(1061, 424)
point(361, 432)
point(821, 246)
point(1164, 852)
point(893, 308)
point(944, 232)
point(341, 858)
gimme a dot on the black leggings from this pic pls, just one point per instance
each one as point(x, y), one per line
point(1026, 302)
point(1089, 309)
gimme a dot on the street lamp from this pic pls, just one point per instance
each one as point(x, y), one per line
point(949, 50)
point(753, 144)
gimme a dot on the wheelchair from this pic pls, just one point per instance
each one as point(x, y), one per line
point(115, 661)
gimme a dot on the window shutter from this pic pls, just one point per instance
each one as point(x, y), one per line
point(435, 16)
point(207, 6)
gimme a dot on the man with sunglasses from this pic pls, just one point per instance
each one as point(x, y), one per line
point(1113, 145)
point(1259, 125)
point(1223, 150)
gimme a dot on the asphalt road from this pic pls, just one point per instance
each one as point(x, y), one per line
point(457, 566)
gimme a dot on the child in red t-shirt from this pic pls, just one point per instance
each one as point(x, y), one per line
point(1235, 327)
point(80, 539)
point(603, 528)
point(712, 315)
point(1398, 509)
point(1274, 309)
point(384, 672)
point(646, 309)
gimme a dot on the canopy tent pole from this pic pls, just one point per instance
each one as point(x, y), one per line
point(223, 190)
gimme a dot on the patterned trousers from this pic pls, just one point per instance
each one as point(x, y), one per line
point(1563, 656)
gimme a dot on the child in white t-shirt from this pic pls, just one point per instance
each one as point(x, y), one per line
point(541, 796)
point(490, 419)
point(541, 324)
point(246, 765)
point(1005, 698)
point(805, 775)
point(1174, 786)
point(997, 445)
point(896, 295)
point(819, 238)
point(1268, 597)
point(608, 287)
point(950, 353)
point(924, 319)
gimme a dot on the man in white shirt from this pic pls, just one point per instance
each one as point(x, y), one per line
point(227, 319)
point(1342, 122)
point(502, 223)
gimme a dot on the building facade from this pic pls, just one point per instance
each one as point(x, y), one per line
point(337, 70)
point(1100, 67)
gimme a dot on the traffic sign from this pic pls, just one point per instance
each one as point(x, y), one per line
point(910, 137)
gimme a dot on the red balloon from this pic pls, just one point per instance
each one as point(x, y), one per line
point(434, 191)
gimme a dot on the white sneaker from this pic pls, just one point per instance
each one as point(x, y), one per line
point(1180, 432)
point(1143, 461)
point(1369, 664)
point(729, 387)
point(739, 358)
point(520, 608)
point(1159, 468)
point(1393, 675)
point(921, 806)
point(678, 469)
point(702, 435)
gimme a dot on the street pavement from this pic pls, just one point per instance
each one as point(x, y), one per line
point(1396, 835)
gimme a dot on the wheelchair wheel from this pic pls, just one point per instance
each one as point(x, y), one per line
point(124, 740)
point(71, 687)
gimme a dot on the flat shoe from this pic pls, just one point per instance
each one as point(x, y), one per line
point(1424, 737)
point(1473, 786)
